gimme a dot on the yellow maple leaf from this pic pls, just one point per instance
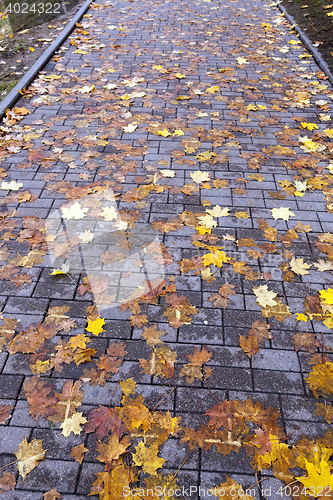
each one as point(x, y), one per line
point(40, 367)
point(213, 89)
point(79, 341)
point(74, 211)
point(206, 156)
point(178, 132)
point(86, 89)
point(320, 379)
point(128, 386)
point(203, 230)
point(158, 68)
point(199, 176)
point(183, 97)
point(264, 296)
point(130, 128)
point(28, 455)
point(216, 257)
point(217, 211)
point(299, 267)
point(73, 424)
point(147, 458)
point(164, 133)
point(282, 213)
point(207, 221)
point(309, 126)
point(327, 296)
point(301, 317)
point(242, 60)
point(318, 476)
point(242, 215)
point(329, 132)
point(109, 213)
point(11, 186)
point(180, 76)
point(95, 326)
point(64, 270)
point(309, 146)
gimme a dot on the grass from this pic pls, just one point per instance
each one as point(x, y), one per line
point(312, 16)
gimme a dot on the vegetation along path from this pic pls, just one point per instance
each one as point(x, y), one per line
point(166, 247)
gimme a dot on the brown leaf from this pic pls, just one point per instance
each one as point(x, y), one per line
point(249, 345)
point(102, 421)
point(152, 335)
point(78, 452)
point(221, 415)
point(325, 411)
point(40, 396)
point(5, 413)
point(306, 341)
point(7, 482)
point(161, 362)
point(51, 495)
point(108, 452)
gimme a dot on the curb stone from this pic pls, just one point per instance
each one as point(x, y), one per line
point(14, 95)
point(308, 44)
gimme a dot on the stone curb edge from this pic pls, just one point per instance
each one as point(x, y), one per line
point(308, 44)
point(13, 96)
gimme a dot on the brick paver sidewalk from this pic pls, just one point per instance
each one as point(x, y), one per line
point(143, 95)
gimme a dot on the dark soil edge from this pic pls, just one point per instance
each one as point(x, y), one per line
point(13, 96)
point(308, 44)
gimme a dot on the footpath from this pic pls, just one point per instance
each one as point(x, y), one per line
point(166, 247)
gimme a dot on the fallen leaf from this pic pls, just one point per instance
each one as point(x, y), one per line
point(282, 213)
point(96, 326)
point(28, 455)
point(52, 495)
point(147, 458)
point(264, 296)
point(78, 452)
point(11, 186)
point(72, 424)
